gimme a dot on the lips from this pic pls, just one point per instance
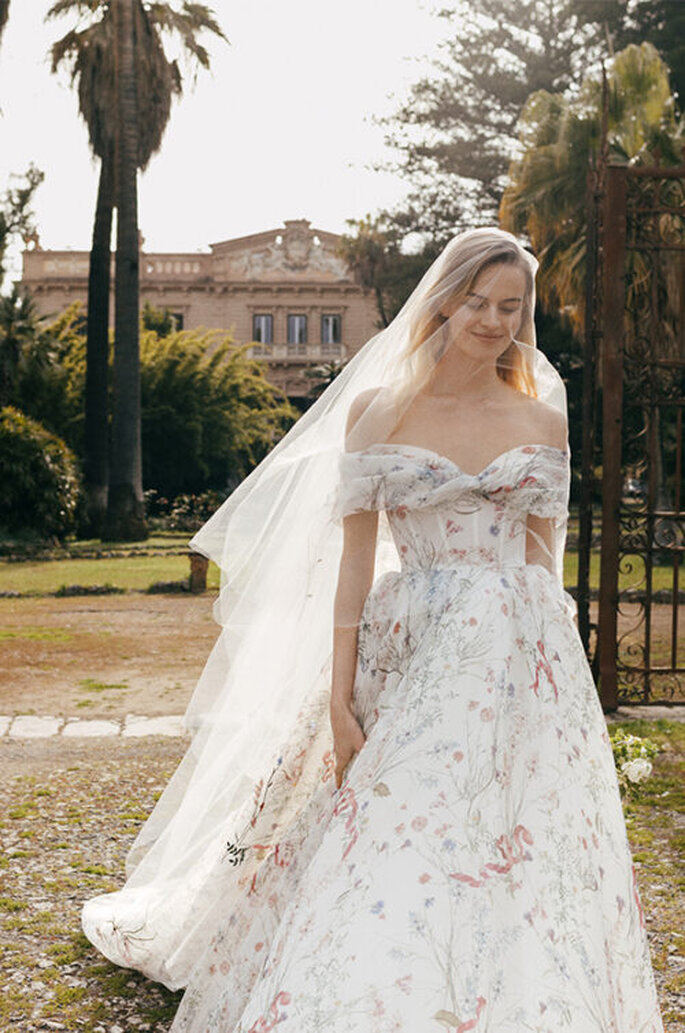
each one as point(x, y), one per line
point(488, 337)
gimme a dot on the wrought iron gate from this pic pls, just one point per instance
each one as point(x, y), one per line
point(641, 329)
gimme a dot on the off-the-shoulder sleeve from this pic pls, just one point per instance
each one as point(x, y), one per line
point(358, 487)
point(545, 491)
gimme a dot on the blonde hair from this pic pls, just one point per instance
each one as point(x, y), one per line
point(463, 260)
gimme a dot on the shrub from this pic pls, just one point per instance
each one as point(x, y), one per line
point(184, 513)
point(39, 476)
point(209, 414)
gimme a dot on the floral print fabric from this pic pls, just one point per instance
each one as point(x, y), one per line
point(473, 871)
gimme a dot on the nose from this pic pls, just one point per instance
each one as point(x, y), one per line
point(490, 318)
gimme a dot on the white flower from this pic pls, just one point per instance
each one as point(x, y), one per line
point(637, 770)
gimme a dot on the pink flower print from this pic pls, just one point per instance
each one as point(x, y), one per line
point(419, 823)
point(448, 1018)
point(527, 480)
point(259, 946)
point(472, 1023)
point(458, 755)
point(511, 851)
point(529, 449)
point(543, 666)
point(403, 549)
point(636, 897)
point(283, 854)
point(328, 766)
point(263, 1025)
point(453, 528)
point(474, 704)
point(396, 627)
point(347, 801)
point(403, 983)
point(401, 512)
point(487, 714)
point(425, 877)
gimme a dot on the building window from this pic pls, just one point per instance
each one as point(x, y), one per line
point(330, 329)
point(263, 329)
point(297, 329)
point(178, 320)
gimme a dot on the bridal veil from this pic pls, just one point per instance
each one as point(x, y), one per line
point(277, 540)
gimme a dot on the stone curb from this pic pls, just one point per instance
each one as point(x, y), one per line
point(135, 726)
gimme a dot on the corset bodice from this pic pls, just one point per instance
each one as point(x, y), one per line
point(441, 516)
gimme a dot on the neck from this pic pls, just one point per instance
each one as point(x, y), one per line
point(456, 374)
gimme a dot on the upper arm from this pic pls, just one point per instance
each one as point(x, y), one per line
point(359, 529)
point(553, 426)
point(540, 531)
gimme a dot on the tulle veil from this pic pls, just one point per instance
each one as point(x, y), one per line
point(277, 540)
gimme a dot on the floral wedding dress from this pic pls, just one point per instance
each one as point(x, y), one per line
point(473, 872)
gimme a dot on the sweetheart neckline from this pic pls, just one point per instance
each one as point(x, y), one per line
point(398, 446)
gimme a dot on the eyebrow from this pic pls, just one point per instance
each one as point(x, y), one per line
point(472, 294)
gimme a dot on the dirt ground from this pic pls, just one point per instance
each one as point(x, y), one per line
point(108, 656)
point(104, 656)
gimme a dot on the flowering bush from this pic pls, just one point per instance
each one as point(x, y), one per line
point(183, 513)
point(631, 756)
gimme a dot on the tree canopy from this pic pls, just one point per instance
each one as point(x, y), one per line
point(456, 133)
point(546, 197)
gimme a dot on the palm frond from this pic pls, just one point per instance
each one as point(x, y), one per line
point(88, 52)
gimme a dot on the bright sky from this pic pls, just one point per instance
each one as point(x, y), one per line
point(280, 129)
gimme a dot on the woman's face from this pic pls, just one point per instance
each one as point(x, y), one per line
point(484, 323)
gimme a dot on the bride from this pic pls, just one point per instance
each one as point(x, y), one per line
point(399, 811)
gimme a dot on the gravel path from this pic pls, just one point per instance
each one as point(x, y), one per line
point(72, 809)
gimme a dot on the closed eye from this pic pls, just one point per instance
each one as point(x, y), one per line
point(474, 303)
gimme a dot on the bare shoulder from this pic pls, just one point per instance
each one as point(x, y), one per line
point(547, 423)
point(360, 403)
point(368, 418)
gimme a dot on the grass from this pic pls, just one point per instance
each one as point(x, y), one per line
point(91, 685)
point(137, 572)
point(123, 572)
point(662, 577)
point(35, 634)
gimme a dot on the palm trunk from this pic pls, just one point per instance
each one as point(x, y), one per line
point(125, 507)
point(96, 465)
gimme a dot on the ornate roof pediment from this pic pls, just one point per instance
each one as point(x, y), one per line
point(296, 252)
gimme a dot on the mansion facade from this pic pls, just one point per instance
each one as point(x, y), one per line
point(286, 291)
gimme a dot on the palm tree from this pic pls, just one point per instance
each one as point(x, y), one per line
point(19, 327)
point(91, 54)
point(546, 196)
point(547, 199)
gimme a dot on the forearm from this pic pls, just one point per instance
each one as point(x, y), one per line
point(349, 603)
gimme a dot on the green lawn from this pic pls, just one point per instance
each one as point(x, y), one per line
point(126, 566)
point(137, 572)
point(662, 577)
